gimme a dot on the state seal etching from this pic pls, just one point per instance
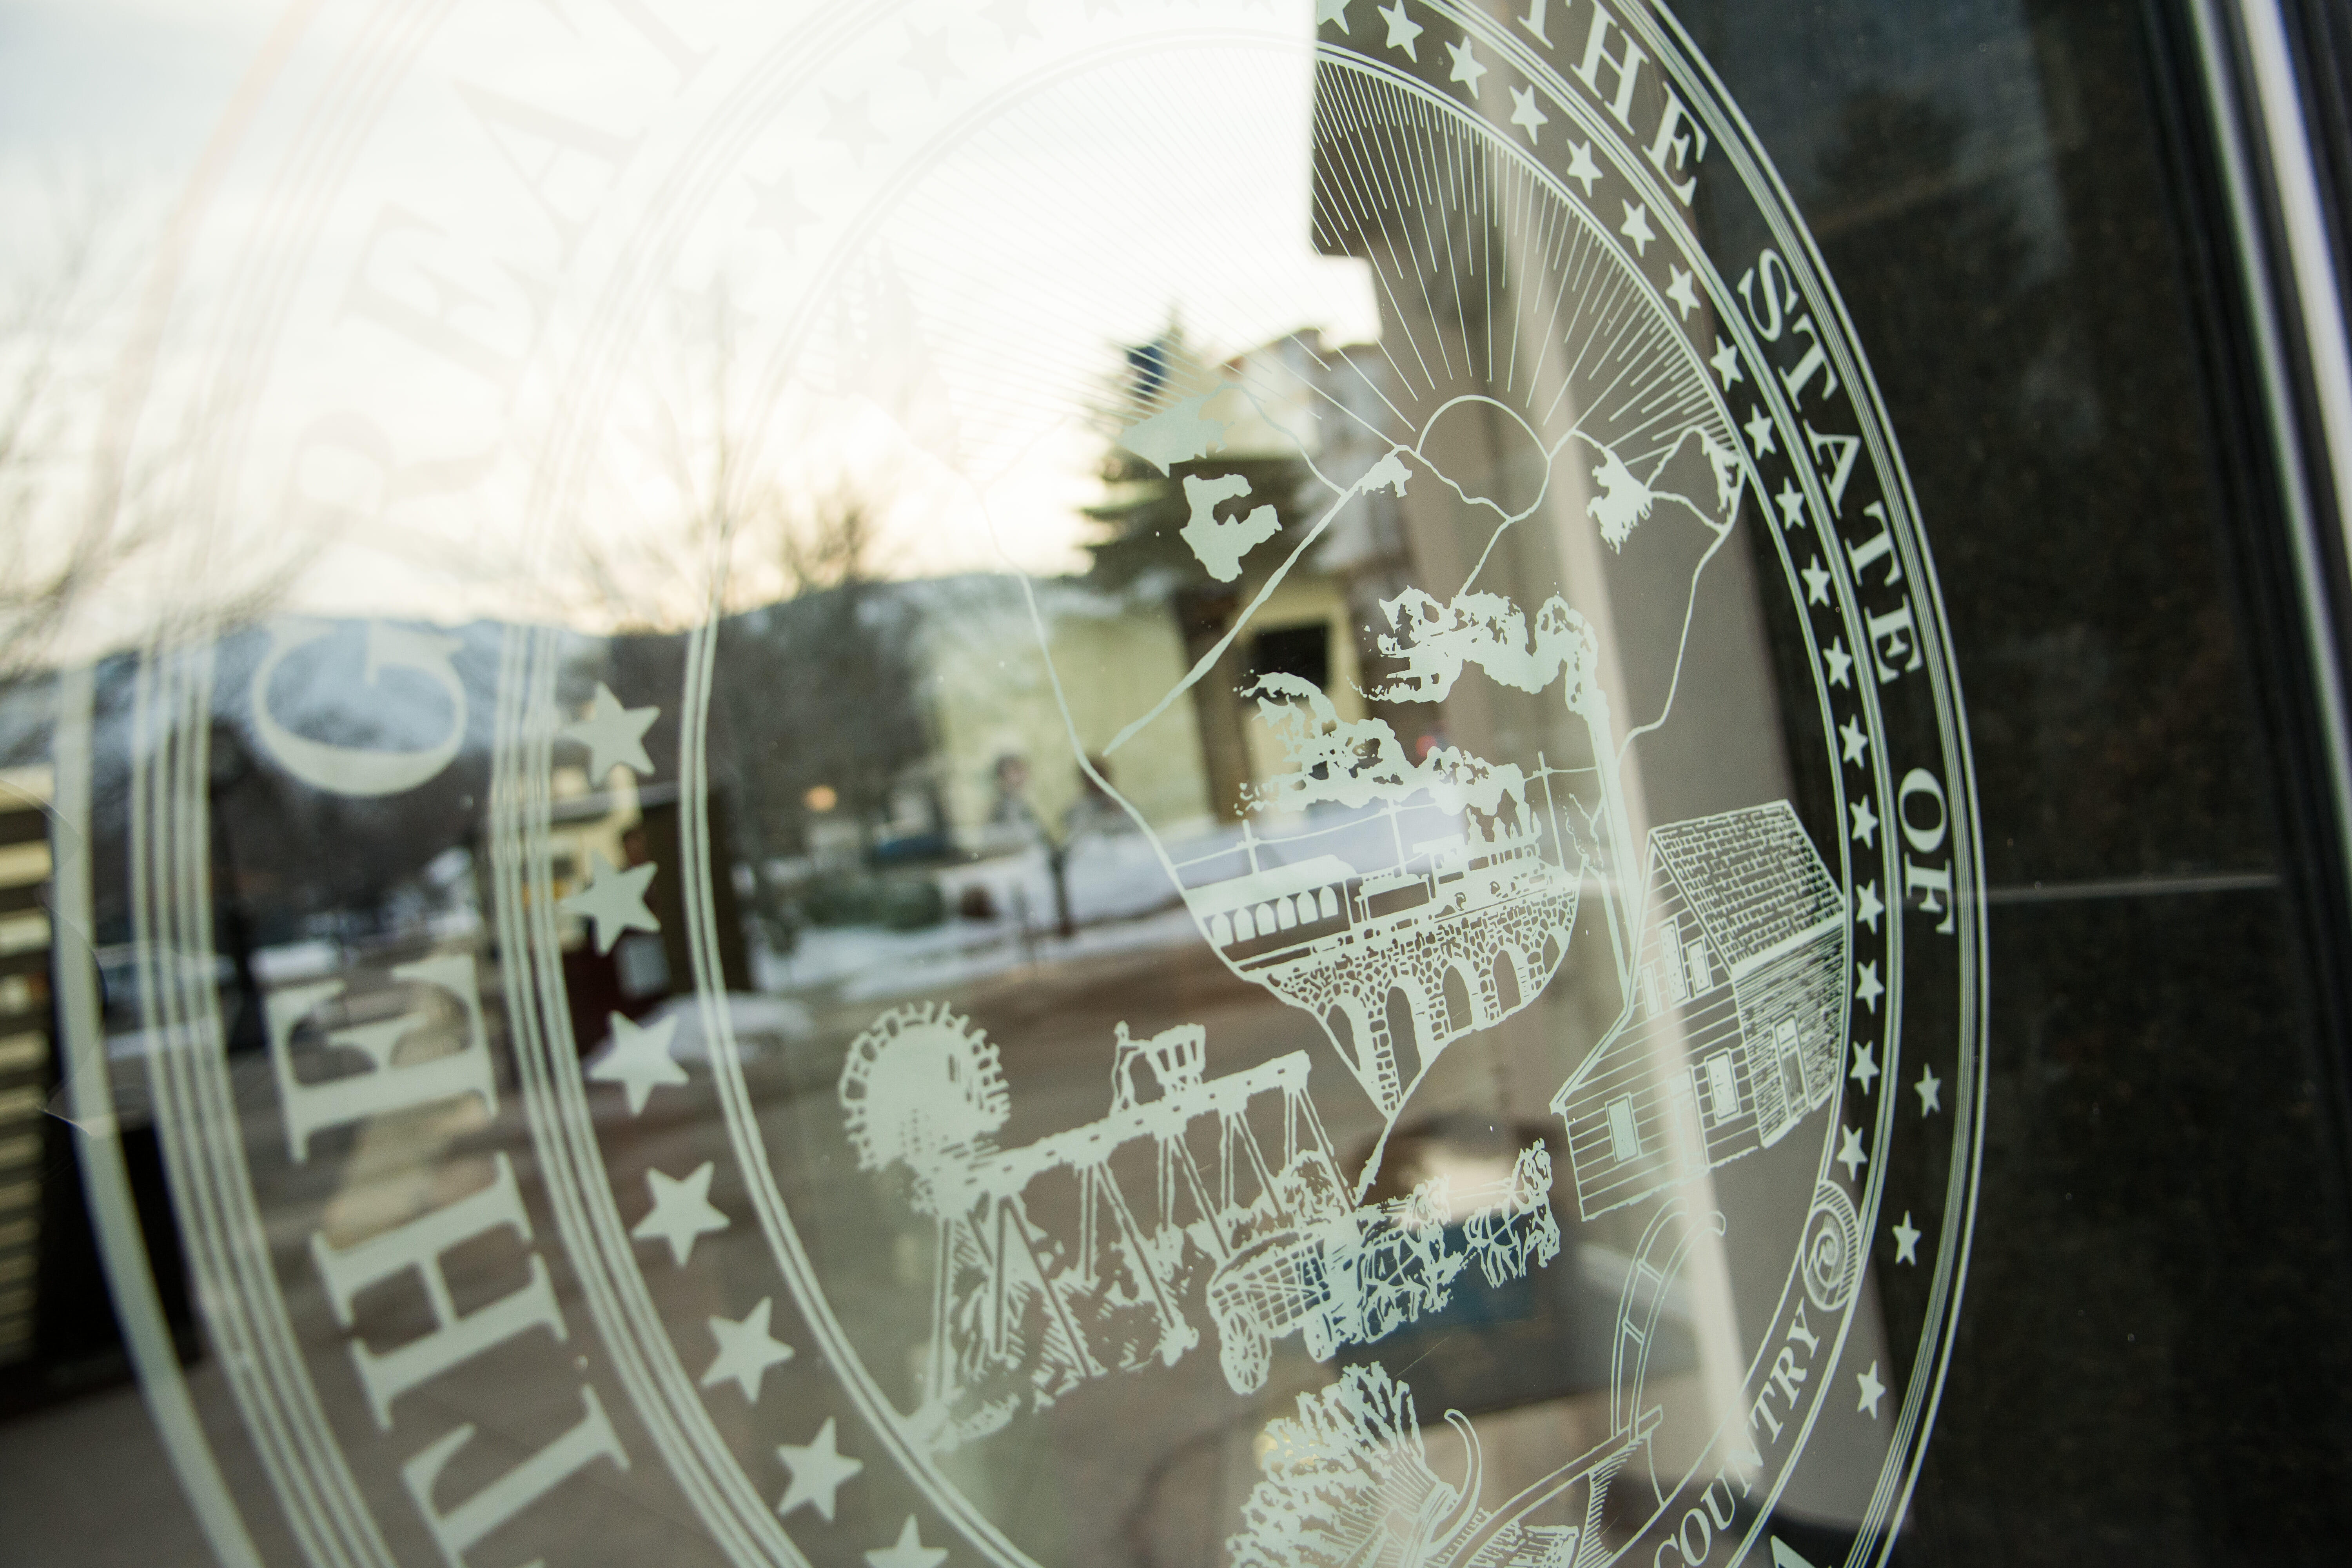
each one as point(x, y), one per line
point(1421, 1005)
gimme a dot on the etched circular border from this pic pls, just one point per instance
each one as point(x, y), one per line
point(208, 1170)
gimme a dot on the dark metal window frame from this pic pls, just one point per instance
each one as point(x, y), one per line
point(2259, 90)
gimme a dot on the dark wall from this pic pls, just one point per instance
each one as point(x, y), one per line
point(2154, 1350)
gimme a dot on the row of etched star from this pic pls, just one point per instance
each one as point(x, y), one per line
point(682, 1212)
point(1853, 742)
point(1868, 909)
point(1403, 33)
point(932, 55)
point(639, 1061)
point(615, 899)
point(1469, 70)
point(819, 1468)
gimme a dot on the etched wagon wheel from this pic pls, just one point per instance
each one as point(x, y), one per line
point(1242, 1351)
point(918, 1080)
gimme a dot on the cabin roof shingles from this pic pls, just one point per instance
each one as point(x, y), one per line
point(1752, 876)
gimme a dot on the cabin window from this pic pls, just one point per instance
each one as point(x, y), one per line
point(1624, 1139)
point(1722, 1089)
point(1670, 955)
point(1792, 1070)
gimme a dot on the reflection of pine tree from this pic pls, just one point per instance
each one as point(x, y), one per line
point(1346, 1480)
point(1139, 545)
point(1144, 507)
point(1143, 517)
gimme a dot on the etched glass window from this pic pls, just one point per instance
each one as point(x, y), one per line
point(1431, 784)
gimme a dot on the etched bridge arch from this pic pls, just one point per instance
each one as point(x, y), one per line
point(1347, 945)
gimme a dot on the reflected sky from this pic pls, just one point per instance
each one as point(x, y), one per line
point(119, 101)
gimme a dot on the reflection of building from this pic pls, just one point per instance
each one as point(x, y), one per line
point(28, 1137)
point(1267, 434)
point(599, 833)
point(1734, 1033)
point(59, 1336)
point(989, 694)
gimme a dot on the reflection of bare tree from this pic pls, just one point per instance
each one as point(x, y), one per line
point(757, 502)
point(72, 530)
point(818, 688)
point(776, 539)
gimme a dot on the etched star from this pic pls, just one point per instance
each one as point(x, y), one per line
point(639, 1059)
point(1759, 432)
point(1930, 1090)
point(1866, 823)
point(780, 210)
point(848, 122)
point(1906, 1241)
point(1583, 169)
point(710, 303)
point(1857, 742)
point(1467, 69)
point(1866, 907)
point(1726, 360)
point(1866, 988)
point(1011, 18)
point(681, 1212)
point(906, 1551)
point(934, 57)
point(1838, 660)
point(745, 1351)
point(1636, 227)
point(615, 899)
point(1679, 290)
point(818, 1470)
point(1873, 1391)
point(1850, 1152)
point(1331, 11)
point(1792, 506)
point(1524, 111)
point(1817, 581)
point(614, 735)
point(1865, 1069)
point(1402, 30)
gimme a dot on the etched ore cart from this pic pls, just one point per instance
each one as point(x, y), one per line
point(1343, 1276)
